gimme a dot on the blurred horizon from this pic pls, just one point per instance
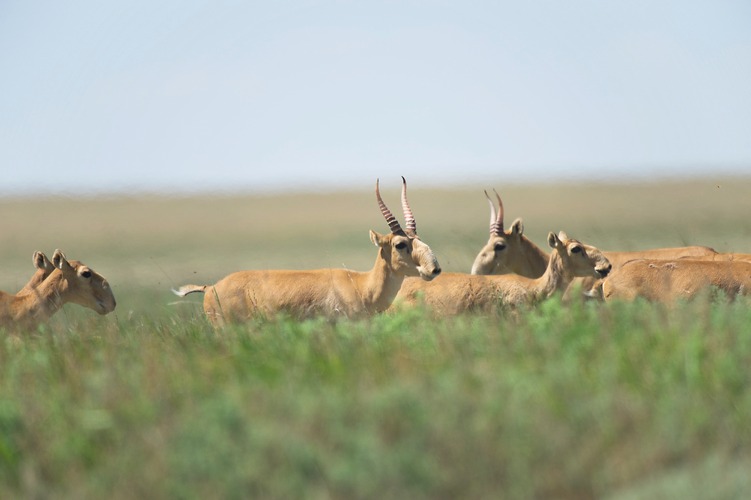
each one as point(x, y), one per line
point(388, 184)
point(192, 97)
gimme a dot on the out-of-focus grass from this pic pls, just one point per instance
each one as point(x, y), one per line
point(577, 401)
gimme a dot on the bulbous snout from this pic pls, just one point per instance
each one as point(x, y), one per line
point(429, 272)
point(603, 270)
point(106, 304)
point(427, 264)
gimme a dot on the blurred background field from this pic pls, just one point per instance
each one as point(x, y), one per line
point(154, 243)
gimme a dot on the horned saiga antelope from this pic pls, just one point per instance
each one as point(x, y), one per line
point(512, 252)
point(457, 292)
point(509, 251)
point(325, 292)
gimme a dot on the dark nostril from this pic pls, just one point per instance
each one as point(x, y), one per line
point(436, 271)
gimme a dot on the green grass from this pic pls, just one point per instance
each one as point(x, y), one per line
point(570, 401)
point(564, 401)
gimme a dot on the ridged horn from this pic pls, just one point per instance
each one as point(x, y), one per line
point(390, 219)
point(496, 220)
point(409, 219)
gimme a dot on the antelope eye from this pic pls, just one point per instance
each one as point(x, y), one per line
point(401, 245)
point(86, 274)
point(576, 249)
point(500, 246)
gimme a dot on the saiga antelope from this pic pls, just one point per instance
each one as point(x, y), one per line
point(457, 292)
point(681, 279)
point(70, 282)
point(511, 252)
point(328, 292)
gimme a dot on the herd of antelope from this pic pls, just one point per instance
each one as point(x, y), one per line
point(510, 271)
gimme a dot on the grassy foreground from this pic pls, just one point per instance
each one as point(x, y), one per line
point(622, 401)
point(576, 401)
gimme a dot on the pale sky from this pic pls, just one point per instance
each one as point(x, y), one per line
point(257, 95)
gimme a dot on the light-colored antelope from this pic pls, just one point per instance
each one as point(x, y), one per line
point(592, 287)
point(327, 292)
point(70, 282)
point(43, 269)
point(681, 279)
point(511, 252)
point(457, 292)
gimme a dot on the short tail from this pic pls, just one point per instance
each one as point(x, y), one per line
point(186, 289)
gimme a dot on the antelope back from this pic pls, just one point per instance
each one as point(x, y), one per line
point(671, 280)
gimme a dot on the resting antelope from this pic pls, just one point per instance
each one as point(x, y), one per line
point(671, 280)
point(328, 292)
point(511, 252)
point(70, 282)
point(457, 292)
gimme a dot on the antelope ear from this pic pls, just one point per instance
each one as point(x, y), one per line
point(38, 259)
point(517, 227)
point(48, 266)
point(553, 240)
point(59, 260)
point(377, 238)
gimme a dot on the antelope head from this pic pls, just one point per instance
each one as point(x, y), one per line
point(83, 286)
point(503, 248)
point(579, 259)
point(403, 250)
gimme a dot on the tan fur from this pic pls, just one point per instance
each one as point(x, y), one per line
point(620, 258)
point(69, 282)
point(682, 279)
point(324, 292)
point(723, 257)
point(592, 286)
point(512, 252)
point(455, 293)
point(517, 254)
point(524, 257)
